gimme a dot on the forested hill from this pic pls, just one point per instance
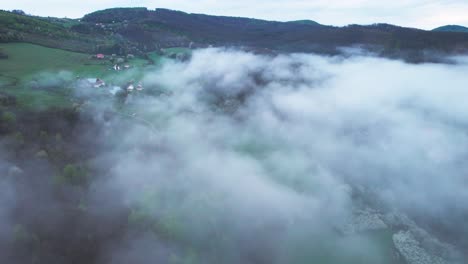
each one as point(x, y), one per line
point(140, 30)
point(452, 28)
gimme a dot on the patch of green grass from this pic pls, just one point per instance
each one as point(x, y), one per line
point(26, 59)
point(156, 57)
point(7, 81)
point(39, 77)
point(28, 63)
point(137, 62)
point(177, 50)
point(38, 99)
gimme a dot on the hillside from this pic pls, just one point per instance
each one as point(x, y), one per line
point(160, 150)
point(452, 28)
point(305, 22)
point(282, 36)
point(139, 30)
point(66, 34)
point(22, 28)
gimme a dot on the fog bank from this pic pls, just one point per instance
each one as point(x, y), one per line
point(279, 154)
point(232, 157)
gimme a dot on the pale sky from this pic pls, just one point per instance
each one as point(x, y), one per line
point(424, 14)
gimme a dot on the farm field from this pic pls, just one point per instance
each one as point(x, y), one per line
point(30, 66)
point(25, 59)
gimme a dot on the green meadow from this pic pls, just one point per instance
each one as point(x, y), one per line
point(26, 59)
point(28, 65)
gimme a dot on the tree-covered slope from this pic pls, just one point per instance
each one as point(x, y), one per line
point(139, 30)
point(23, 28)
point(452, 28)
point(284, 36)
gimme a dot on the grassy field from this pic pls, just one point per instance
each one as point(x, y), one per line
point(26, 59)
point(156, 57)
point(28, 99)
point(28, 64)
point(40, 77)
point(176, 51)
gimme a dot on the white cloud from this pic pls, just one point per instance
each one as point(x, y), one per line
point(311, 133)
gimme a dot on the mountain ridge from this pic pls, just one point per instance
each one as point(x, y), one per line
point(140, 30)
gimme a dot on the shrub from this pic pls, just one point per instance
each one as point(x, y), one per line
point(7, 100)
point(18, 12)
point(74, 175)
point(19, 137)
point(3, 55)
point(7, 122)
point(8, 118)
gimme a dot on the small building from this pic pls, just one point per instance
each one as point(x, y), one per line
point(139, 87)
point(99, 83)
point(130, 88)
point(100, 56)
point(95, 82)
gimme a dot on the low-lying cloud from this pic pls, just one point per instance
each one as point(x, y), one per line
point(233, 157)
point(278, 153)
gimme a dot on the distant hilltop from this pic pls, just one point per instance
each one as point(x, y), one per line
point(305, 22)
point(452, 28)
point(140, 30)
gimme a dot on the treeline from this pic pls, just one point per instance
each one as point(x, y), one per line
point(139, 30)
point(146, 26)
point(116, 15)
point(14, 23)
point(53, 33)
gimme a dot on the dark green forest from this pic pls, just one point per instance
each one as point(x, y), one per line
point(139, 30)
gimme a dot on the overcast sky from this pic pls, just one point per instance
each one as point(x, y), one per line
point(424, 14)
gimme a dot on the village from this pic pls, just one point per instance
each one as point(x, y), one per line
point(118, 65)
